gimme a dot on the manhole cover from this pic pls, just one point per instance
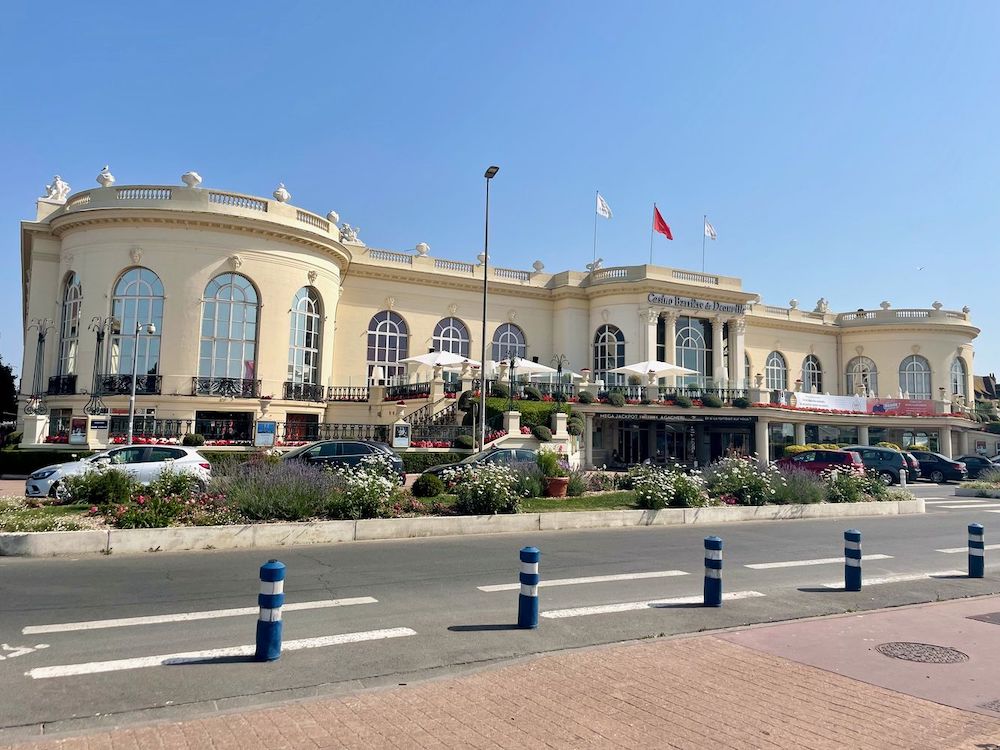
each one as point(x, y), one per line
point(926, 653)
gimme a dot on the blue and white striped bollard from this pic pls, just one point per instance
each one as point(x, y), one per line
point(270, 600)
point(977, 551)
point(527, 601)
point(713, 571)
point(852, 560)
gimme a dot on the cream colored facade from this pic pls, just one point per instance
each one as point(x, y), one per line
point(187, 236)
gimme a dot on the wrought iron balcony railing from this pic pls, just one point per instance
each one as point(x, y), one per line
point(110, 385)
point(225, 387)
point(303, 392)
point(62, 385)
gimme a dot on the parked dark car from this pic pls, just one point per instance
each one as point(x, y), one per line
point(344, 453)
point(820, 460)
point(495, 456)
point(977, 465)
point(885, 462)
point(938, 468)
point(912, 467)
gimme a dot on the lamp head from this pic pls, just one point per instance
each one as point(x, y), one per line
point(491, 172)
point(151, 329)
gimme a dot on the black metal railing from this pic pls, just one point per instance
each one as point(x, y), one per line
point(110, 385)
point(337, 431)
point(227, 387)
point(347, 393)
point(439, 432)
point(303, 391)
point(453, 386)
point(62, 385)
point(407, 391)
point(144, 426)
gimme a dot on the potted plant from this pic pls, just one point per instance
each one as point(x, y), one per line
point(555, 473)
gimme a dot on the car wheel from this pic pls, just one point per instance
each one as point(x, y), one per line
point(886, 478)
point(937, 477)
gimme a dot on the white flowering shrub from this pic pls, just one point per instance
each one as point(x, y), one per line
point(740, 481)
point(486, 489)
point(656, 488)
point(846, 486)
point(370, 488)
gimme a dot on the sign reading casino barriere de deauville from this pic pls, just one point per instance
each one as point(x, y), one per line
point(689, 303)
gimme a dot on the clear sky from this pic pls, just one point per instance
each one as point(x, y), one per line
point(836, 147)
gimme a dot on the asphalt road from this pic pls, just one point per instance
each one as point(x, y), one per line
point(429, 615)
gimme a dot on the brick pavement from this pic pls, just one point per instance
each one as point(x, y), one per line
point(694, 693)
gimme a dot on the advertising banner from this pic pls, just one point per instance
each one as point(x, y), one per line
point(901, 407)
point(832, 403)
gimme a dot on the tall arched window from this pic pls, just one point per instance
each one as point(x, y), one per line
point(776, 372)
point(229, 328)
point(609, 353)
point(861, 373)
point(812, 375)
point(69, 326)
point(915, 376)
point(305, 330)
point(508, 341)
point(451, 335)
point(137, 299)
point(692, 350)
point(958, 377)
point(388, 342)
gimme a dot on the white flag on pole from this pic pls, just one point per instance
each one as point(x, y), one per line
point(710, 231)
point(603, 209)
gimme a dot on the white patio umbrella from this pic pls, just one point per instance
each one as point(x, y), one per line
point(447, 360)
point(524, 366)
point(654, 368)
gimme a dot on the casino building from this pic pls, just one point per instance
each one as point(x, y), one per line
point(238, 308)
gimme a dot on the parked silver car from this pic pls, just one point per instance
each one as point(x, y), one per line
point(144, 462)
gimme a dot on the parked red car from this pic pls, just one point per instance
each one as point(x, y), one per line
point(822, 459)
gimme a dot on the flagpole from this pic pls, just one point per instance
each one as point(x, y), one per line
point(704, 234)
point(651, 237)
point(595, 224)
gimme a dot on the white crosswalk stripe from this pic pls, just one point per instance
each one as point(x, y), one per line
point(603, 609)
point(898, 578)
point(820, 561)
point(587, 579)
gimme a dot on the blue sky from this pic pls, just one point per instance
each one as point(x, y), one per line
point(835, 147)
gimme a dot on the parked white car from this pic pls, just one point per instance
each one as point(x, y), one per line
point(144, 462)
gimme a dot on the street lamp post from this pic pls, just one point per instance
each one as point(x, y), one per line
point(489, 175)
point(150, 329)
point(36, 402)
point(101, 326)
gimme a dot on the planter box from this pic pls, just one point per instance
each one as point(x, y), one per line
point(973, 492)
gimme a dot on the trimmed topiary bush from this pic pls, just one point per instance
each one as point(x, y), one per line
point(575, 426)
point(741, 402)
point(711, 400)
point(542, 432)
point(586, 397)
point(499, 390)
point(634, 380)
point(427, 485)
point(617, 399)
point(194, 440)
point(683, 401)
point(532, 393)
point(466, 401)
point(465, 441)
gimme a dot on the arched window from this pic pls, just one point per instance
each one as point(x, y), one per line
point(451, 335)
point(862, 373)
point(229, 328)
point(915, 377)
point(304, 335)
point(609, 353)
point(775, 372)
point(69, 327)
point(812, 375)
point(388, 342)
point(508, 341)
point(137, 300)
point(958, 377)
point(692, 349)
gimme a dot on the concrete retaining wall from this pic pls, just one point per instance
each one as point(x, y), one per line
point(269, 535)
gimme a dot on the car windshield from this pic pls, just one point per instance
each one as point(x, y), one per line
point(475, 457)
point(297, 451)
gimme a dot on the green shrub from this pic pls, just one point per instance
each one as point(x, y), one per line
point(887, 444)
point(990, 476)
point(683, 401)
point(499, 390)
point(529, 480)
point(794, 450)
point(551, 464)
point(634, 380)
point(657, 488)
point(577, 483)
point(711, 400)
point(800, 487)
point(226, 458)
point(464, 441)
point(486, 490)
point(427, 485)
point(13, 438)
point(575, 426)
point(370, 489)
point(193, 439)
point(616, 398)
point(417, 463)
point(586, 397)
point(531, 393)
point(559, 397)
point(467, 401)
point(542, 432)
point(741, 402)
point(100, 486)
point(740, 481)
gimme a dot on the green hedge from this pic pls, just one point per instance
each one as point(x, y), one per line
point(20, 462)
point(415, 463)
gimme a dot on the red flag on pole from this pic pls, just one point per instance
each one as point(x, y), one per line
point(660, 225)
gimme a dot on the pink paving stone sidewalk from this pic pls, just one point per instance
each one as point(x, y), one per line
point(696, 693)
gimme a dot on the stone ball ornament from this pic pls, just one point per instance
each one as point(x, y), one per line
point(105, 178)
point(191, 179)
point(281, 194)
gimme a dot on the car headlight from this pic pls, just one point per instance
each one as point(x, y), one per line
point(43, 474)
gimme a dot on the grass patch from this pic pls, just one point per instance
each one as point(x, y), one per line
point(15, 515)
point(624, 500)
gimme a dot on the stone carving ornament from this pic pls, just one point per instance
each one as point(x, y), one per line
point(58, 191)
point(105, 178)
point(312, 276)
point(135, 254)
point(192, 179)
point(349, 233)
point(280, 194)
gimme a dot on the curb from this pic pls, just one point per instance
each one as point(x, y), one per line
point(973, 492)
point(269, 535)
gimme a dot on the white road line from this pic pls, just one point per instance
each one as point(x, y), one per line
point(189, 657)
point(899, 578)
point(953, 550)
point(972, 505)
point(64, 627)
point(587, 579)
point(602, 609)
point(820, 561)
point(942, 501)
point(935, 499)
